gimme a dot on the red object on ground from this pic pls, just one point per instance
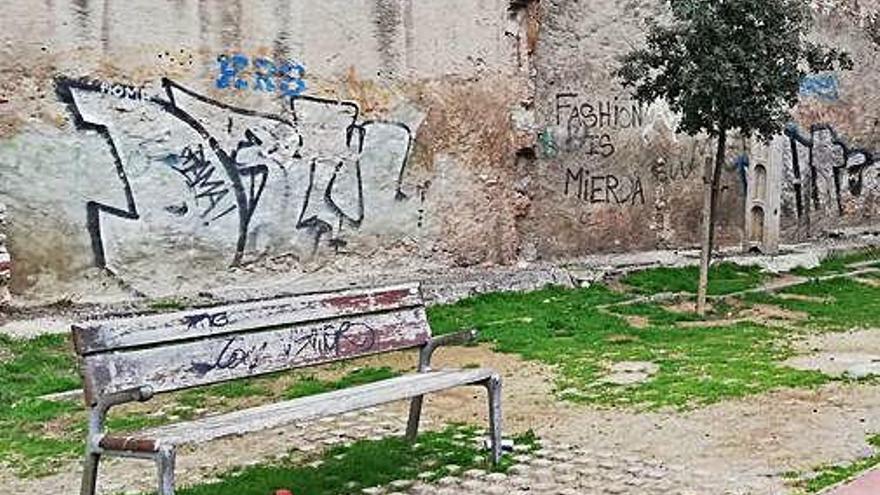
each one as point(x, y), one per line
point(283, 492)
point(866, 484)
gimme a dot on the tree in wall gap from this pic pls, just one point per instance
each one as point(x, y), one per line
point(726, 66)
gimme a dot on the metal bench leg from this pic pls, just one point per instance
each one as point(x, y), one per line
point(415, 415)
point(165, 464)
point(493, 386)
point(90, 473)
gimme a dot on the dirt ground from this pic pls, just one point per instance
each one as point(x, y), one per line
point(744, 445)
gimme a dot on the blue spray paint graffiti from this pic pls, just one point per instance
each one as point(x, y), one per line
point(821, 86)
point(286, 77)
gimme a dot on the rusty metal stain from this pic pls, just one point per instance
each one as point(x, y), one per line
point(129, 444)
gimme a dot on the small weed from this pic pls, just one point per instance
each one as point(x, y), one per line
point(167, 304)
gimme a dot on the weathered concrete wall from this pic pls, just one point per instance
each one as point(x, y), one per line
point(615, 174)
point(170, 143)
point(173, 141)
point(830, 153)
point(615, 177)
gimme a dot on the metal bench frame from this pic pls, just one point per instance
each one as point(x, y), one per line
point(99, 443)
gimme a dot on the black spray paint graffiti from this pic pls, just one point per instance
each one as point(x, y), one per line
point(227, 154)
point(588, 124)
point(830, 168)
point(604, 188)
point(330, 341)
point(206, 320)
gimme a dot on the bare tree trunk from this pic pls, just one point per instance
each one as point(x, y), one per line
point(711, 186)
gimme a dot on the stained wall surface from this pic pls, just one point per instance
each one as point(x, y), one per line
point(191, 141)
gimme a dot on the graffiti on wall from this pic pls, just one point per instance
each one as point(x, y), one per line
point(189, 165)
point(822, 86)
point(260, 74)
point(603, 189)
point(824, 171)
point(589, 125)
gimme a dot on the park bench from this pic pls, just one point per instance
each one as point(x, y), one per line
point(134, 358)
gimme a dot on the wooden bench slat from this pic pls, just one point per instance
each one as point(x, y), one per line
point(93, 337)
point(325, 404)
point(230, 356)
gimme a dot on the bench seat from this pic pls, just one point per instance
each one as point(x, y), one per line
point(301, 409)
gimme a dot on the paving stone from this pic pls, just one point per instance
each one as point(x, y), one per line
point(540, 462)
point(544, 487)
point(422, 489)
point(563, 467)
point(566, 478)
point(615, 489)
point(496, 477)
point(542, 474)
point(562, 456)
point(520, 481)
point(400, 484)
point(473, 486)
point(544, 452)
point(519, 469)
point(497, 490)
point(448, 481)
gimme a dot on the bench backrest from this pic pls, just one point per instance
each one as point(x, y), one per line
point(172, 351)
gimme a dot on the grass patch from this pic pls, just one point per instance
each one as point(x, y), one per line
point(724, 278)
point(311, 385)
point(564, 328)
point(35, 367)
point(28, 370)
point(837, 304)
point(839, 263)
point(349, 469)
point(825, 476)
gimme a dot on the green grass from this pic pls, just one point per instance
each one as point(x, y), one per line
point(724, 278)
point(840, 304)
point(838, 263)
point(367, 463)
point(29, 369)
point(564, 328)
point(311, 385)
point(825, 476)
point(35, 367)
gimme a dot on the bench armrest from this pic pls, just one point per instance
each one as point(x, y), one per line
point(136, 394)
point(457, 338)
